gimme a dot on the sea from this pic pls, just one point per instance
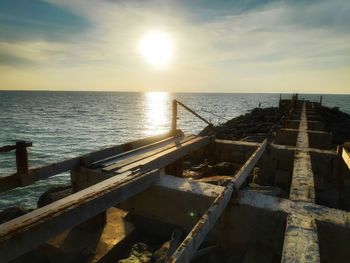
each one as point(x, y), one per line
point(64, 124)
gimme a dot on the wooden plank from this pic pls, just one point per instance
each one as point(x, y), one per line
point(24, 233)
point(10, 182)
point(104, 153)
point(193, 240)
point(166, 157)
point(243, 173)
point(147, 153)
point(110, 159)
point(240, 143)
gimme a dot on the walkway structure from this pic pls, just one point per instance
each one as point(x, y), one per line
point(145, 176)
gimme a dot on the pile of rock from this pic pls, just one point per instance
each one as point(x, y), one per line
point(336, 122)
point(255, 126)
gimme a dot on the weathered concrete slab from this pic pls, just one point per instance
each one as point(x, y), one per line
point(301, 240)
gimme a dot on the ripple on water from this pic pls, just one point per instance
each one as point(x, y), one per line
point(67, 124)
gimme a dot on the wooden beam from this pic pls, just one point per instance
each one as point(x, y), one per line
point(160, 160)
point(12, 181)
point(126, 154)
point(138, 156)
point(26, 232)
point(243, 173)
point(192, 242)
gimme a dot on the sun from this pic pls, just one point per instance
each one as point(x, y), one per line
point(157, 48)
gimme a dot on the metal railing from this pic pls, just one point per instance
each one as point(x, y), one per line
point(174, 116)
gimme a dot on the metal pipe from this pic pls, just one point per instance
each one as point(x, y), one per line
point(174, 118)
point(193, 112)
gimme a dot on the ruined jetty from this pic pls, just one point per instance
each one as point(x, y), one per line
point(280, 197)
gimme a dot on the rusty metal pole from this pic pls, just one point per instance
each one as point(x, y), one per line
point(279, 102)
point(21, 158)
point(174, 117)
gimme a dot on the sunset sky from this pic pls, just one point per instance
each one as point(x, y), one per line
point(176, 46)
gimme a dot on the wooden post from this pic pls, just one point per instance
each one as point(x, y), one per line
point(279, 102)
point(21, 158)
point(174, 119)
point(321, 100)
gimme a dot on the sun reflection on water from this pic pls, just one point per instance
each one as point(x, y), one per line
point(157, 113)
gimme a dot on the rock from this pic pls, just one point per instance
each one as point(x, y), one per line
point(192, 174)
point(258, 121)
point(224, 168)
point(11, 213)
point(267, 190)
point(217, 180)
point(160, 255)
point(140, 253)
point(54, 194)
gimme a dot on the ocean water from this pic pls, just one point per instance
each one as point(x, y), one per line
point(67, 124)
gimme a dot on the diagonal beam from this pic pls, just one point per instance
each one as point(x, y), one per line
point(194, 239)
point(245, 170)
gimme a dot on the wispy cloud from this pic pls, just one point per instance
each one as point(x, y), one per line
point(220, 45)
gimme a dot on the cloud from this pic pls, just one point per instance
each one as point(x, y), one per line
point(217, 43)
point(34, 19)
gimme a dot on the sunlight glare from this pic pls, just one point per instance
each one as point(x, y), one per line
point(157, 114)
point(157, 48)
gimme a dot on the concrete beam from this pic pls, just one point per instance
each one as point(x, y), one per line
point(194, 239)
point(302, 188)
point(301, 240)
point(319, 139)
point(332, 153)
point(242, 174)
point(174, 200)
point(26, 232)
point(274, 204)
point(346, 155)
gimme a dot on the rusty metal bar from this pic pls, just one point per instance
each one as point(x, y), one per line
point(26, 232)
point(174, 117)
point(193, 112)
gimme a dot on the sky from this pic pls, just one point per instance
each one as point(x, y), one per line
point(217, 46)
